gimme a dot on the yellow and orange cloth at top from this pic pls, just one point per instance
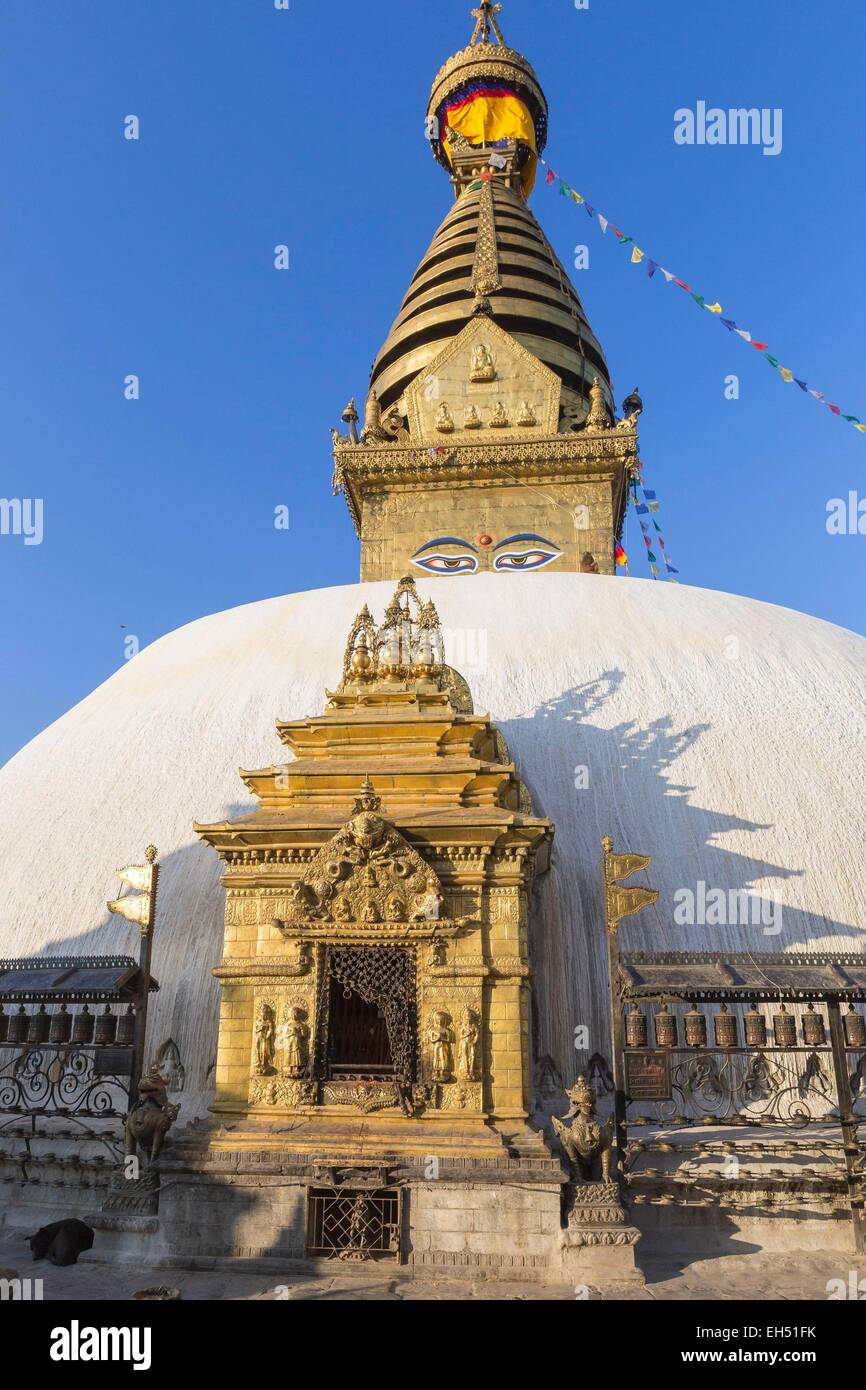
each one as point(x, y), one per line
point(485, 114)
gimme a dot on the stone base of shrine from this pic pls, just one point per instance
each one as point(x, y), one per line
point(455, 1197)
point(598, 1243)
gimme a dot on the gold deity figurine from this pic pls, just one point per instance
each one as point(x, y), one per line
point(296, 1049)
point(526, 415)
point(471, 418)
point(499, 419)
point(265, 1032)
point(467, 1050)
point(444, 420)
point(440, 1038)
point(482, 367)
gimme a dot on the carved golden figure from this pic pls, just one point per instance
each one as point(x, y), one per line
point(526, 415)
point(444, 421)
point(296, 1050)
point(265, 1033)
point(499, 419)
point(467, 1051)
point(483, 367)
point(471, 418)
point(440, 1037)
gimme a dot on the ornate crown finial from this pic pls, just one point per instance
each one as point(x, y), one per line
point(405, 649)
point(485, 20)
point(368, 800)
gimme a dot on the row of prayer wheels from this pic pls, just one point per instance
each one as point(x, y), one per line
point(105, 1029)
point(726, 1033)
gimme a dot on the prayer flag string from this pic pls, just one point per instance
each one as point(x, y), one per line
point(646, 505)
point(639, 257)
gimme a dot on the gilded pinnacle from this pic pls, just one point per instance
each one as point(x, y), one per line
point(485, 17)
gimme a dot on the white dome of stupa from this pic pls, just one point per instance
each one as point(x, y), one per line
point(722, 736)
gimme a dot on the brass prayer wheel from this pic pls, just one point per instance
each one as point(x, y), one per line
point(106, 1027)
point(784, 1028)
point(4, 1024)
point(814, 1032)
point(696, 1028)
point(37, 1031)
point(61, 1026)
point(855, 1028)
point(635, 1028)
point(126, 1028)
point(82, 1027)
point(18, 1026)
point(725, 1028)
point(666, 1027)
point(756, 1028)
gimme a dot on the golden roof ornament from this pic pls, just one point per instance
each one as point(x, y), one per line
point(350, 418)
point(368, 800)
point(599, 415)
point(486, 57)
point(485, 17)
point(404, 650)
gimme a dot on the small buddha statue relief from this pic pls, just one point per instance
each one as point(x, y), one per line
point(499, 420)
point(471, 418)
point(526, 415)
point(482, 367)
point(444, 421)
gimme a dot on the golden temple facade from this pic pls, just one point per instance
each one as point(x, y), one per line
point(376, 944)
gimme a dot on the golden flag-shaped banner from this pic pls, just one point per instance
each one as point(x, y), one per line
point(138, 876)
point(623, 902)
point(624, 865)
point(138, 907)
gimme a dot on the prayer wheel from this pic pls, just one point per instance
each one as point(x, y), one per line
point(106, 1027)
point(784, 1028)
point(126, 1028)
point(635, 1028)
point(19, 1025)
point(855, 1028)
point(756, 1028)
point(814, 1032)
point(37, 1031)
point(696, 1028)
point(61, 1026)
point(666, 1027)
point(725, 1028)
point(82, 1027)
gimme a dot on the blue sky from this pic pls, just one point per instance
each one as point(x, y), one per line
point(305, 127)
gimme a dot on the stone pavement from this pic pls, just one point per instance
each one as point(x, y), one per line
point(758, 1276)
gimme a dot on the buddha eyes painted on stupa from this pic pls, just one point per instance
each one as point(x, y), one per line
point(532, 553)
point(447, 555)
point(453, 555)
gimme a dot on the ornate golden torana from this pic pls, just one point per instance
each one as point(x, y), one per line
point(391, 861)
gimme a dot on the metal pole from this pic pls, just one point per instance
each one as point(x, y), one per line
point(616, 1047)
point(144, 966)
point(849, 1122)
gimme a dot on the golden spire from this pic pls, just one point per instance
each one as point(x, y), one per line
point(485, 20)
